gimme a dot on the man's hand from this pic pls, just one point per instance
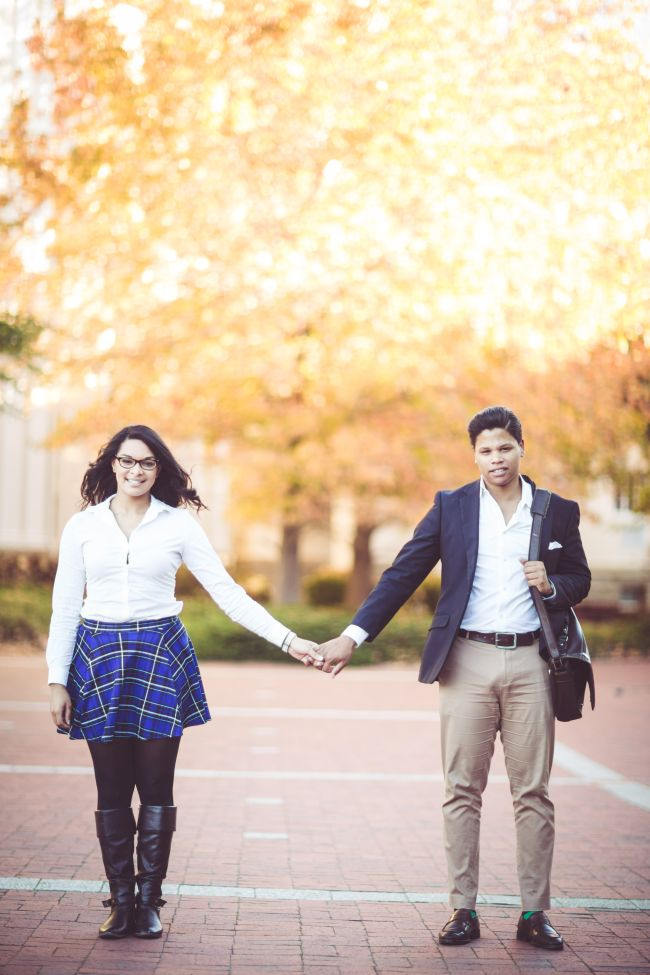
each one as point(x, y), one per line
point(535, 573)
point(60, 706)
point(337, 654)
point(307, 651)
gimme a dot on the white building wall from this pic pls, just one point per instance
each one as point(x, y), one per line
point(614, 539)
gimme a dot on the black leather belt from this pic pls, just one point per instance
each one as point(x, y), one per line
point(507, 641)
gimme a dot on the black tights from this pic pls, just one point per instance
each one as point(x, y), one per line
point(127, 763)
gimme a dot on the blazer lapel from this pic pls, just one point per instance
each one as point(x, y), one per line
point(469, 518)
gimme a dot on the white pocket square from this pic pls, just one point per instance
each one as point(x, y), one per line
point(554, 545)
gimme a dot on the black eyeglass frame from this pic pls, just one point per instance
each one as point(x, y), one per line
point(151, 463)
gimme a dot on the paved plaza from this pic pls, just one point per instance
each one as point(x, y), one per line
point(309, 835)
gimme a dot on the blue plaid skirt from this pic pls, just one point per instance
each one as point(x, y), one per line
point(134, 680)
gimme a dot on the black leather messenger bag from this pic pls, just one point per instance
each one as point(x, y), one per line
point(567, 654)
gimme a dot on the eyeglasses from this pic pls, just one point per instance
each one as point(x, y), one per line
point(148, 464)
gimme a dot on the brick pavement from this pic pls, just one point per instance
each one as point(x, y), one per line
point(245, 776)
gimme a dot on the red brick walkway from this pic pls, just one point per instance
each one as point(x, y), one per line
point(276, 796)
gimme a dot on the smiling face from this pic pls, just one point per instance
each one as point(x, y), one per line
point(134, 481)
point(498, 456)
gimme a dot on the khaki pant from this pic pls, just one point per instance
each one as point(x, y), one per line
point(485, 689)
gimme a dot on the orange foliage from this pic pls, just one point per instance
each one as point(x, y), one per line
point(331, 231)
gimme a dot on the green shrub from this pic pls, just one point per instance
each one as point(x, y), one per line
point(25, 615)
point(187, 584)
point(430, 592)
point(216, 638)
point(325, 588)
point(27, 568)
point(621, 635)
point(258, 587)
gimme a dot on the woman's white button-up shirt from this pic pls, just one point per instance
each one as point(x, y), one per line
point(134, 578)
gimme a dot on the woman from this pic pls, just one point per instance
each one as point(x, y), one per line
point(123, 672)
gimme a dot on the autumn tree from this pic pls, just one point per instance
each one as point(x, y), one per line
point(17, 341)
point(329, 232)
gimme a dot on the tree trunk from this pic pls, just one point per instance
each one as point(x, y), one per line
point(289, 564)
point(360, 582)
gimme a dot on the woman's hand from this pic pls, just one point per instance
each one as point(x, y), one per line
point(307, 651)
point(60, 706)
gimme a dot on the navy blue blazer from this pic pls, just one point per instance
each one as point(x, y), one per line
point(449, 533)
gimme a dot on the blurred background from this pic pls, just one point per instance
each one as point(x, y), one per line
point(305, 240)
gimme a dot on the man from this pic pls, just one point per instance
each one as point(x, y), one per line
point(483, 648)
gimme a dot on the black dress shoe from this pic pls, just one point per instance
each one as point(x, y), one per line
point(538, 930)
point(461, 927)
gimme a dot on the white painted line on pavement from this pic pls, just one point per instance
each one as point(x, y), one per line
point(73, 885)
point(267, 775)
point(583, 766)
point(318, 714)
point(281, 776)
point(584, 770)
point(253, 835)
point(635, 793)
point(330, 714)
point(24, 706)
point(314, 894)
point(47, 769)
point(263, 801)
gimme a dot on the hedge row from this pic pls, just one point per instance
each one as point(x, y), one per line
point(23, 568)
point(217, 638)
point(25, 615)
point(327, 588)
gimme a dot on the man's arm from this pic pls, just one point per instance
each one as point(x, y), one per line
point(413, 563)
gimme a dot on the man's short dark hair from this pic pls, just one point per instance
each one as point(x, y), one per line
point(492, 417)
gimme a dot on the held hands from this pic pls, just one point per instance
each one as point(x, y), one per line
point(535, 573)
point(330, 657)
point(336, 654)
point(305, 651)
point(60, 706)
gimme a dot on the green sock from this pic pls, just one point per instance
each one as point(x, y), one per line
point(527, 914)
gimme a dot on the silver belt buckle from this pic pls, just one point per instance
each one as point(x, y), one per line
point(506, 646)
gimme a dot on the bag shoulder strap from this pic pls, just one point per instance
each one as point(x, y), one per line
point(539, 509)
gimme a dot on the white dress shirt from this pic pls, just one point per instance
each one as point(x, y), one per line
point(500, 599)
point(134, 578)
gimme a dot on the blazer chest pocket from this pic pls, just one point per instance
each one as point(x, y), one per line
point(439, 621)
point(551, 559)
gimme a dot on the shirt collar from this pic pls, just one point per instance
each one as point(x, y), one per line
point(156, 506)
point(526, 492)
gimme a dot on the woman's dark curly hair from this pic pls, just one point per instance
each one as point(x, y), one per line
point(172, 485)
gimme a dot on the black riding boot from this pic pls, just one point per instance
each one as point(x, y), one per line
point(115, 829)
point(156, 825)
